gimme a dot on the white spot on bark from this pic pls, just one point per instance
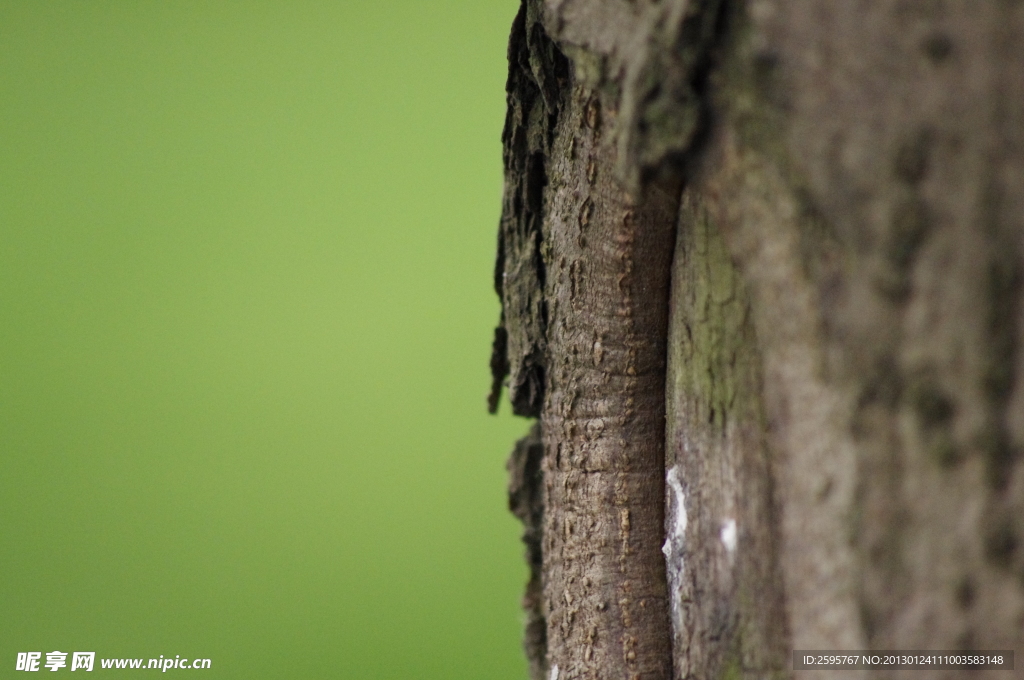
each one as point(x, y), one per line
point(728, 535)
point(675, 542)
point(677, 514)
point(554, 673)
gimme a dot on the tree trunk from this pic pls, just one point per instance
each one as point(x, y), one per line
point(760, 266)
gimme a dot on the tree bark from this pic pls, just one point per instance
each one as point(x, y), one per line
point(760, 266)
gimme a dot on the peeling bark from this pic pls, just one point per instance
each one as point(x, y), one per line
point(584, 276)
point(526, 501)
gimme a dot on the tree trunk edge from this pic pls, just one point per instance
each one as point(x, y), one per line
point(854, 222)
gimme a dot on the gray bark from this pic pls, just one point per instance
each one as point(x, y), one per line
point(760, 266)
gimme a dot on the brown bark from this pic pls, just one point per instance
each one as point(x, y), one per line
point(867, 173)
point(836, 191)
point(603, 416)
point(722, 540)
point(584, 276)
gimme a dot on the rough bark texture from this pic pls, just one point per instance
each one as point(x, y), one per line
point(839, 188)
point(867, 172)
point(722, 540)
point(584, 275)
point(603, 416)
point(526, 501)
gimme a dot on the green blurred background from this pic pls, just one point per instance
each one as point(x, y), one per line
point(245, 318)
